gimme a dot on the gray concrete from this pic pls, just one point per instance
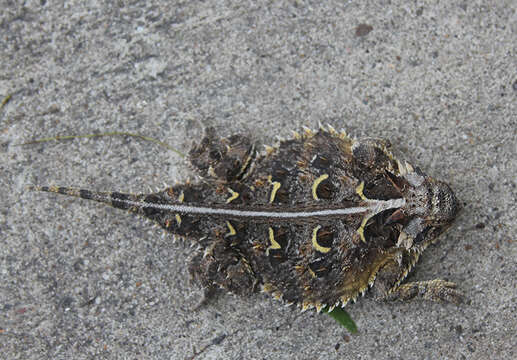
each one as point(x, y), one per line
point(78, 280)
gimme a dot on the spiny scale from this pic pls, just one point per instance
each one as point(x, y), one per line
point(315, 220)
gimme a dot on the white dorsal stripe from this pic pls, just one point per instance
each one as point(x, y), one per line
point(373, 207)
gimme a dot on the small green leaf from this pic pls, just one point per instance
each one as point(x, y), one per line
point(342, 317)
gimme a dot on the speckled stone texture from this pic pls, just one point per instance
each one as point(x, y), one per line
point(78, 280)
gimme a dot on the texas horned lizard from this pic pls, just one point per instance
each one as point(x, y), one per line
point(315, 221)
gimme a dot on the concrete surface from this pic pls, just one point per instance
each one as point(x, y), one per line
point(78, 280)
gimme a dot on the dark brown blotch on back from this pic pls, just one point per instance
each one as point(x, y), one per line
point(380, 188)
point(320, 162)
point(320, 267)
point(279, 172)
point(325, 189)
point(245, 193)
point(240, 234)
point(190, 225)
point(380, 235)
point(278, 256)
point(281, 196)
point(192, 194)
point(282, 175)
point(325, 236)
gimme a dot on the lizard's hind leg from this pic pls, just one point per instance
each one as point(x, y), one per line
point(221, 266)
point(225, 159)
point(387, 287)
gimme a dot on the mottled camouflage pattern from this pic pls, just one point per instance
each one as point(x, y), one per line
point(315, 258)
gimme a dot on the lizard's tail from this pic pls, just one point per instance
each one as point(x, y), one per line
point(115, 199)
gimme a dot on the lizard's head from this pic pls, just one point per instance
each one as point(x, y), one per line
point(430, 207)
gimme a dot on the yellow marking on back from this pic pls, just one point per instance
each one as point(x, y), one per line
point(178, 219)
point(360, 231)
point(234, 195)
point(313, 274)
point(276, 186)
point(315, 185)
point(359, 190)
point(318, 247)
point(181, 197)
point(231, 229)
point(274, 244)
